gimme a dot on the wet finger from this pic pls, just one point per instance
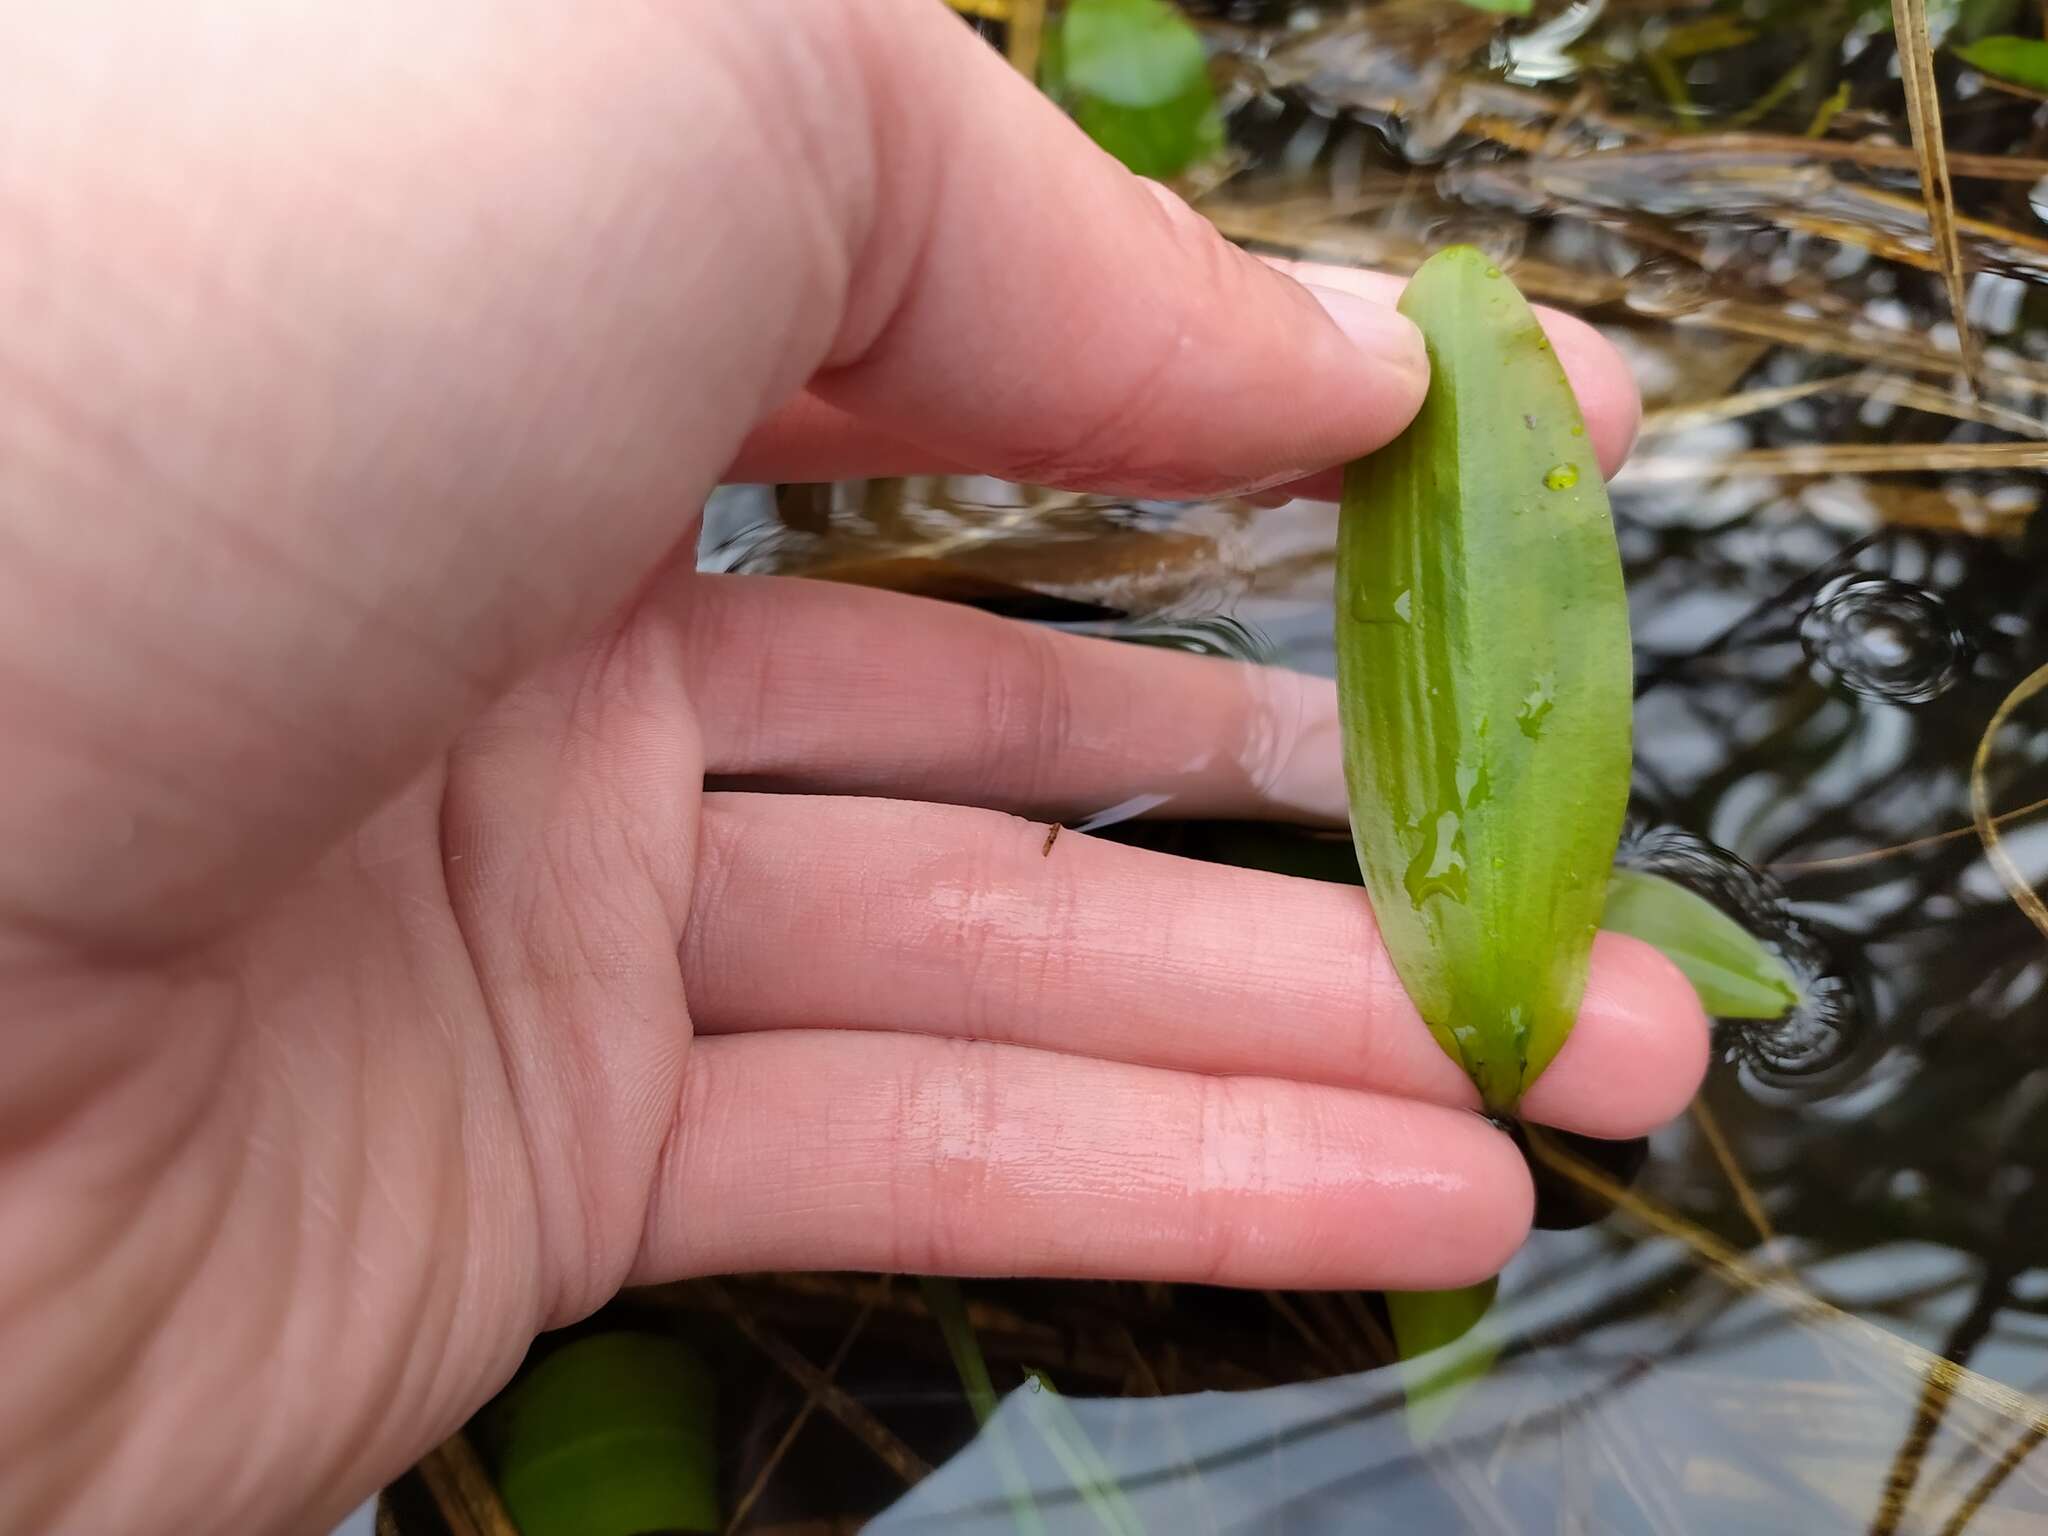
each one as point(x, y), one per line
point(1599, 375)
point(817, 686)
point(952, 922)
point(831, 1150)
point(810, 439)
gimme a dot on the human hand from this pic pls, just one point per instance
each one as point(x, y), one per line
point(378, 984)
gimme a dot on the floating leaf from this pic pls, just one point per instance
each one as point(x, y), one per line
point(1136, 77)
point(1435, 1375)
point(2022, 60)
point(1734, 974)
point(1484, 682)
point(611, 1435)
point(943, 1300)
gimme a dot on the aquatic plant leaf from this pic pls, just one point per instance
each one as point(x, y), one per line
point(1443, 1352)
point(1483, 673)
point(2022, 60)
point(943, 1300)
point(1501, 7)
point(1734, 974)
point(1078, 1457)
point(609, 1436)
point(1135, 76)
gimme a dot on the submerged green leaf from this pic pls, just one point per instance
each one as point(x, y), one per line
point(1435, 1375)
point(1734, 974)
point(2022, 60)
point(1078, 1457)
point(943, 1300)
point(1483, 675)
point(1136, 78)
point(610, 1435)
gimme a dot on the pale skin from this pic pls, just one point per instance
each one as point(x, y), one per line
point(427, 905)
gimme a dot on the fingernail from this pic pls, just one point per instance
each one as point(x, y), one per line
point(1380, 331)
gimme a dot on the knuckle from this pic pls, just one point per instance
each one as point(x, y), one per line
point(1028, 715)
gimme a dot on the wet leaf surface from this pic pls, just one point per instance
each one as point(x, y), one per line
point(1736, 976)
point(1483, 681)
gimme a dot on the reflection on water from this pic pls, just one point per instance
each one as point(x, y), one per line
point(1835, 576)
point(1748, 1344)
point(1735, 1404)
point(1820, 1034)
point(1885, 639)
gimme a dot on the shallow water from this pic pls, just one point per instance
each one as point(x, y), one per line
point(1836, 576)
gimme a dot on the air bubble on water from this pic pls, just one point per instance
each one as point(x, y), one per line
point(1665, 286)
point(2037, 199)
point(1827, 1024)
point(1884, 639)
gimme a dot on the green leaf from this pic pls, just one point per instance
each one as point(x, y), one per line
point(943, 1300)
point(1734, 974)
point(1444, 1353)
point(1136, 78)
point(611, 1435)
point(2022, 60)
point(1078, 1458)
point(1483, 673)
point(1501, 7)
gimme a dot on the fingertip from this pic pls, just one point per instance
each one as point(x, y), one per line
point(1599, 375)
point(1507, 1210)
point(1470, 1213)
point(1391, 344)
point(1638, 1053)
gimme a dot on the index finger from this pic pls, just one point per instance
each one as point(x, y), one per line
point(809, 438)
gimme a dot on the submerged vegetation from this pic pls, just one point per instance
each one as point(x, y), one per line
point(1819, 1307)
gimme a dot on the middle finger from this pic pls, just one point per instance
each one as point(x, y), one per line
point(875, 914)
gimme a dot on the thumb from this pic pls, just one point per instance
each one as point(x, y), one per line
point(1024, 306)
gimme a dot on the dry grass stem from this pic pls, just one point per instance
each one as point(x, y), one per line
point(1923, 112)
point(463, 1490)
point(1839, 459)
point(2010, 875)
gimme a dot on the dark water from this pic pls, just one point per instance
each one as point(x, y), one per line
point(1756, 1340)
point(1810, 693)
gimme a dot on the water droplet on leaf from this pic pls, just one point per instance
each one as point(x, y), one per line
point(1373, 606)
point(1536, 705)
point(1562, 477)
point(1473, 787)
point(1438, 868)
